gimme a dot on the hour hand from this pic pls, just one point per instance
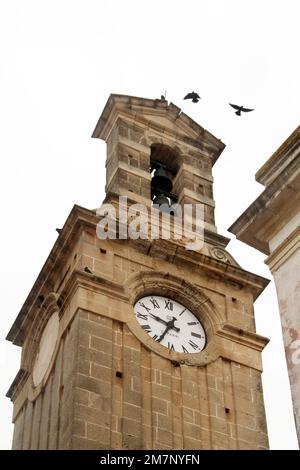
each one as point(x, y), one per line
point(158, 318)
point(163, 321)
point(170, 325)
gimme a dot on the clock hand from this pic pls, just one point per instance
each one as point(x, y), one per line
point(164, 321)
point(170, 325)
point(158, 318)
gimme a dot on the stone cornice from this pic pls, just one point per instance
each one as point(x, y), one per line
point(90, 282)
point(17, 383)
point(194, 171)
point(284, 250)
point(244, 337)
point(230, 273)
point(271, 210)
point(280, 159)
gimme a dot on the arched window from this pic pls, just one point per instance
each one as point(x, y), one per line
point(163, 167)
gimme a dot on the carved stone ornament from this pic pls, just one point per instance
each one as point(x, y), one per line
point(222, 255)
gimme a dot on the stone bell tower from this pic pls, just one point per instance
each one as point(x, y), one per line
point(141, 343)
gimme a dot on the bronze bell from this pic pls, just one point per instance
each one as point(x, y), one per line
point(161, 181)
point(160, 200)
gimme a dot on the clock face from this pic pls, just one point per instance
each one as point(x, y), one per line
point(46, 349)
point(170, 324)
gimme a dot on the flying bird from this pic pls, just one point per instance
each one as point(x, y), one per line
point(240, 109)
point(192, 96)
point(162, 97)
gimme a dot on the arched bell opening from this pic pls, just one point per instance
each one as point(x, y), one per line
point(163, 167)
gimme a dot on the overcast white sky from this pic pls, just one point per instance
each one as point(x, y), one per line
point(60, 60)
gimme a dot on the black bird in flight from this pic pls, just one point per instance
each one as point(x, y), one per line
point(162, 97)
point(192, 96)
point(240, 109)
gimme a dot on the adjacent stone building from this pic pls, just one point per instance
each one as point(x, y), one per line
point(272, 225)
point(93, 375)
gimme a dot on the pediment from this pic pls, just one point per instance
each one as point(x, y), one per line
point(158, 114)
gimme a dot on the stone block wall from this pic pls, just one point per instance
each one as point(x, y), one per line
point(109, 390)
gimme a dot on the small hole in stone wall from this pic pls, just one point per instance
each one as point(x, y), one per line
point(75, 257)
point(233, 299)
point(227, 410)
point(102, 250)
point(119, 374)
point(130, 190)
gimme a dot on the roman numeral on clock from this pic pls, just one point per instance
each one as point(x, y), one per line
point(142, 316)
point(154, 302)
point(183, 349)
point(196, 335)
point(146, 328)
point(144, 306)
point(193, 323)
point(171, 346)
point(168, 305)
point(194, 345)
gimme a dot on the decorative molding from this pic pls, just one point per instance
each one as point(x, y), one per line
point(284, 251)
point(271, 210)
point(280, 159)
point(244, 337)
point(222, 255)
point(17, 383)
point(91, 282)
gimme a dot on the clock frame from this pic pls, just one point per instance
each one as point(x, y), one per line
point(170, 323)
point(148, 283)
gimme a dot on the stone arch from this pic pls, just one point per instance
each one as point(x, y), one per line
point(165, 154)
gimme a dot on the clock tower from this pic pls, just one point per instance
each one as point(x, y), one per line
point(138, 334)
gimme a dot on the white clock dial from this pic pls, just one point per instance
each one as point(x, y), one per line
point(171, 324)
point(46, 349)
